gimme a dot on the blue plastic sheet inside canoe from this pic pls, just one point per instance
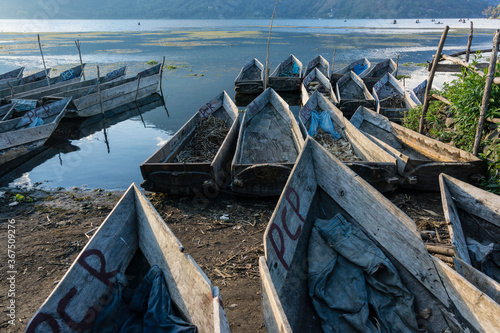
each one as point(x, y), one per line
point(358, 69)
point(322, 119)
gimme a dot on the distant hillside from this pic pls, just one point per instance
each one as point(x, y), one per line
point(224, 9)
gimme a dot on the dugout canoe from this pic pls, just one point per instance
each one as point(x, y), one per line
point(162, 173)
point(391, 99)
point(359, 66)
point(374, 164)
point(269, 142)
point(376, 72)
point(316, 81)
point(420, 159)
point(21, 135)
point(112, 94)
point(11, 75)
point(71, 85)
point(352, 93)
point(320, 63)
point(473, 215)
point(131, 239)
point(39, 80)
point(417, 94)
point(250, 79)
point(287, 76)
point(320, 186)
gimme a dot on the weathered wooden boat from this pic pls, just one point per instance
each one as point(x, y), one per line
point(368, 160)
point(316, 81)
point(360, 67)
point(13, 74)
point(250, 80)
point(376, 72)
point(21, 135)
point(72, 85)
point(166, 170)
point(112, 94)
point(352, 93)
point(391, 99)
point(418, 93)
point(321, 187)
point(420, 159)
point(269, 142)
point(132, 238)
point(321, 64)
point(38, 80)
point(287, 76)
point(473, 217)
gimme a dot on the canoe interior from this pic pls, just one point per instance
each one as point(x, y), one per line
point(391, 99)
point(382, 68)
point(284, 78)
point(132, 238)
point(321, 187)
point(345, 70)
point(320, 63)
point(317, 81)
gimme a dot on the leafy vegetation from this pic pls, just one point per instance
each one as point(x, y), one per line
point(457, 124)
point(492, 12)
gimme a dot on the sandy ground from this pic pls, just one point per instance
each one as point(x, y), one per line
point(51, 231)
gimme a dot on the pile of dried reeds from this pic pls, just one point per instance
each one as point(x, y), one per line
point(339, 148)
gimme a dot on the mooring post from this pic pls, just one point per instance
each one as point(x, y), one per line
point(43, 60)
point(469, 43)
point(431, 77)
point(77, 43)
point(487, 92)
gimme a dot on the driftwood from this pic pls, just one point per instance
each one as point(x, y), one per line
point(440, 98)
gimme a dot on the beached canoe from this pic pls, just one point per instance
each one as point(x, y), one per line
point(184, 166)
point(269, 142)
point(352, 93)
point(316, 81)
point(38, 80)
point(287, 76)
point(21, 135)
point(13, 74)
point(360, 67)
point(132, 238)
point(376, 72)
point(72, 85)
point(391, 99)
point(23, 84)
point(420, 159)
point(250, 79)
point(320, 63)
point(417, 94)
point(112, 94)
point(321, 187)
point(473, 218)
point(359, 153)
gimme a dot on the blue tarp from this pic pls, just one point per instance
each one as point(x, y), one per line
point(325, 122)
point(358, 69)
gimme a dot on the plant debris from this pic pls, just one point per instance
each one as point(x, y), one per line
point(340, 148)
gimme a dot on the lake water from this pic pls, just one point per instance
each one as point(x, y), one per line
point(207, 56)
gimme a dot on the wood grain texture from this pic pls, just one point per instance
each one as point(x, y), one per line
point(480, 280)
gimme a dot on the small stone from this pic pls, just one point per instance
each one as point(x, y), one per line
point(450, 122)
point(232, 306)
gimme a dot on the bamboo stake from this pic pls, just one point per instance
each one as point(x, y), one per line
point(268, 42)
point(469, 42)
point(487, 92)
point(77, 43)
point(397, 66)
point(431, 78)
point(102, 109)
point(43, 60)
point(161, 89)
point(9, 113)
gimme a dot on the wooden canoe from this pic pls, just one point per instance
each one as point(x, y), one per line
point(376, 72)
point(269, 142)
point(316, 81)
point(352, 93)
point(373, 164)
point(162, 173)
point(250, 79)
point(320, 186)
point(418, 93)
point(391, 99)
point(23, 84)
point(420, 159)
point(113, 94)
point(72, 85)
point(320, 63)
point(471, 214)
point(18, 138)
point(287, 76)
point(11, 75)
point(362, 63)
point(132, 238)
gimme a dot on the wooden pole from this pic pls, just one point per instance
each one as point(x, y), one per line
point(9, 113)
point(469, 43)
point(431, 78)
point(487, 92)
point(43, 60)
point(77, 42)
point(99, 90)
point(397, 66)
point(161, 89)
point(333, 60)
point(269, 42)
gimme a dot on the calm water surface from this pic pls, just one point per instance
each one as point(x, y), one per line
point(204, 57)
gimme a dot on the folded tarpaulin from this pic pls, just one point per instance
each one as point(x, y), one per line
point(148, 309)
point(354, 287)
point(322, 119)
point(358, 69)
